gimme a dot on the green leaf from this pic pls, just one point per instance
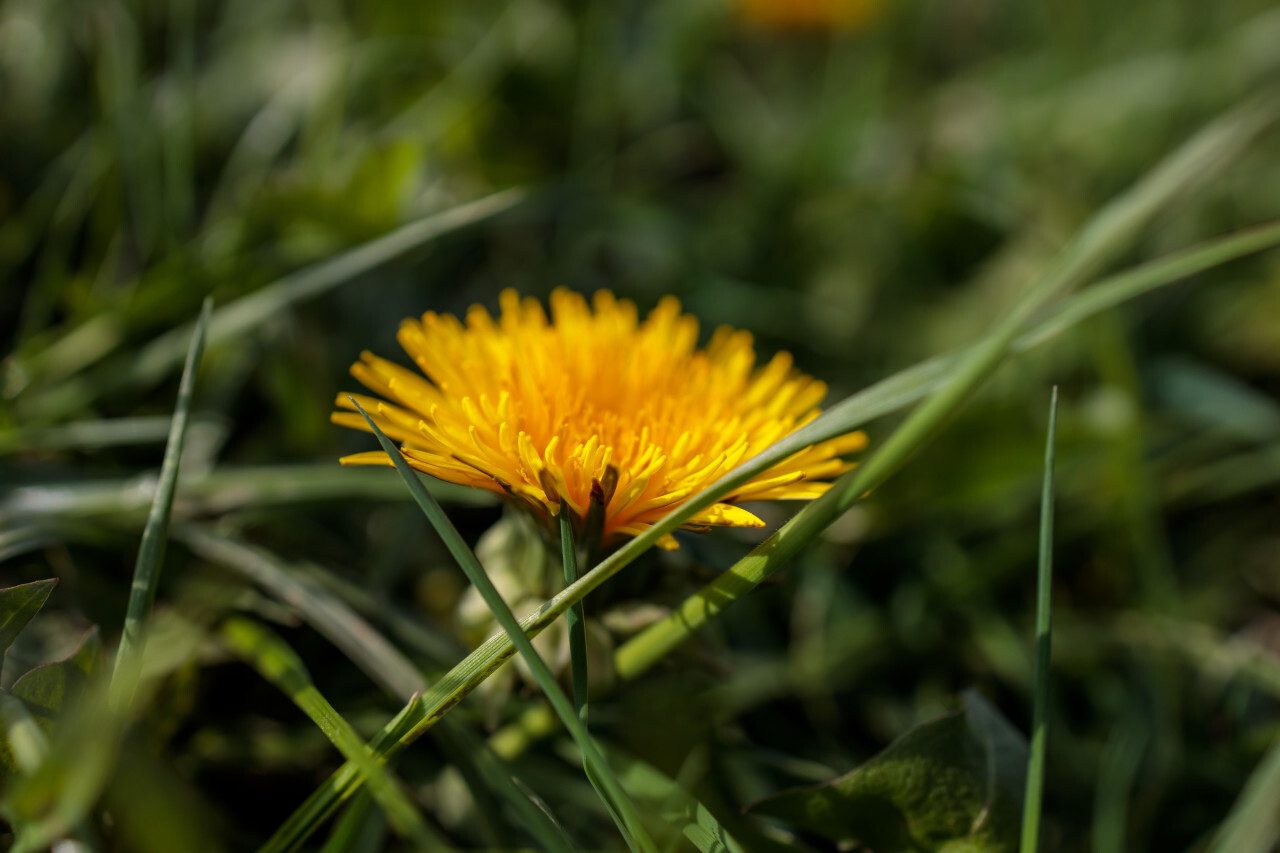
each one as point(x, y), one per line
point(950, 785)
point(17, 605)
point(48, 689)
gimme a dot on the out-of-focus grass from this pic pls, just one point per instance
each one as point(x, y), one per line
point(865, 199)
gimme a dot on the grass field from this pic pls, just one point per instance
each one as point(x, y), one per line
point(944, 211)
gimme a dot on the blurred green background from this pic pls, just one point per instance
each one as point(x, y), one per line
point(863, 192)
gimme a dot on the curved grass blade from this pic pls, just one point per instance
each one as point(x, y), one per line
point(146, 573)
point(377, 658)
point(277, 663)
point(1253, 826)
point(598, 771)
point(1033, 800)
point(1102, 238)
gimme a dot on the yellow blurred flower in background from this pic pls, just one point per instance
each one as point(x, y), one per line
point(594, 404)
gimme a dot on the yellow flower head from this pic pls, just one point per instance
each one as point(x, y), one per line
point(594, 405)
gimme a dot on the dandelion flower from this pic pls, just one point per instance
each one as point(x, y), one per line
point(593, 404)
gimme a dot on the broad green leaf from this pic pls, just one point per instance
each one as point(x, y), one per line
point(952, 785)
point(17, 605)
point(48, 689)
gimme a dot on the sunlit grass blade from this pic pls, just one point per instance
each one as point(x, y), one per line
point(146, 573)
point(577, 628)
point(620, 806)
point(1034, 798)
point(278, 663)
point(1099, 241)
point(1253, 826)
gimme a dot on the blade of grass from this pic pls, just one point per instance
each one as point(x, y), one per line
point(1101, 239)
point(352, 635)
point(90, 434)
point(1117, 770)
point(146, 572)
point(222, 491)
point(574, 621)
point(1253, 826)
point(360, 828)
point(157, 358)
point(1033, 800)
point(278, 664)
point(377, 658)
point(601, 775)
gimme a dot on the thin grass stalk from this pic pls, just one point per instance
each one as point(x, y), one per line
point(1032, 803)
point(577, 629)
point(598, 771)
point(146, 572)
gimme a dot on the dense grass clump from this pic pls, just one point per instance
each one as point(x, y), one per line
point(216, 638)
